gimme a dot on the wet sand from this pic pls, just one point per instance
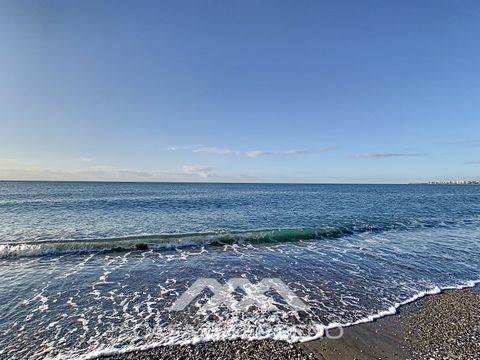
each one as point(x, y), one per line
point(443, 326)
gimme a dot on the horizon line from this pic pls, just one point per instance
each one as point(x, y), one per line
point(220, 182)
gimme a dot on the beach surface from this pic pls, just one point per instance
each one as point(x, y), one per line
point(442, 326)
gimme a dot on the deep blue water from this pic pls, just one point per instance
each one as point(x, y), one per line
point(74, 283)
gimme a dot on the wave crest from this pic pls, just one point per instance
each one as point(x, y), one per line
point(172, 241)
point(167, 241)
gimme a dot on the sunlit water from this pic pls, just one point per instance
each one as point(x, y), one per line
point(75, 284)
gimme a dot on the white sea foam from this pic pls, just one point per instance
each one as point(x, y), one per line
point(280, 333)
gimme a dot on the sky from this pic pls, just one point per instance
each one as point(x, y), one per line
point(240, 91)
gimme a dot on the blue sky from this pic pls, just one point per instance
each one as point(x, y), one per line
point(276, 91)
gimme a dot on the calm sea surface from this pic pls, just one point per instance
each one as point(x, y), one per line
point(93, 268)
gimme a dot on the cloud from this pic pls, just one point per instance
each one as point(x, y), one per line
point(257, 153)
point(250, 153)
point(477, 162)
point(385, 155)
point(296, 151)
point(203, 171)
point(86, 159)
point(11, 169)
point(190, 147)
point(92, 174)
point(214, 150)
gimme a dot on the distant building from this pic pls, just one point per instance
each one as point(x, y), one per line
point(454, 182)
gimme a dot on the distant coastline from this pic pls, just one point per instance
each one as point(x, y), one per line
point(450, 182)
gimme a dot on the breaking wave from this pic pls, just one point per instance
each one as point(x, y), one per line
point(173, 241)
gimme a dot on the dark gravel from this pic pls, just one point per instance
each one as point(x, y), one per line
point(445, 326)
point(238, 349)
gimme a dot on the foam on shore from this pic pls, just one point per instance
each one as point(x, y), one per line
point(281, 336)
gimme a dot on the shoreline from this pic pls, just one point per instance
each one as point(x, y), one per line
point(437, 325)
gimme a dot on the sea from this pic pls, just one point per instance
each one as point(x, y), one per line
point(95, 268)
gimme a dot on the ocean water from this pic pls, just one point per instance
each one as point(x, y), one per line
point(93, 268)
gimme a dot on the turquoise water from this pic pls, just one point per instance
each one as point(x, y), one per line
point(92, 268)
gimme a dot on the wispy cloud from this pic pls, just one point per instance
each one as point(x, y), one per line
point(225, 151)
point(189, 147)
point(476, 162)
point(249, 153)
point(258, 153)
point(11, 169)
point(214, 150)
point(303, 151)
point(86, 159)
point(385, 155)
point(203, 171)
